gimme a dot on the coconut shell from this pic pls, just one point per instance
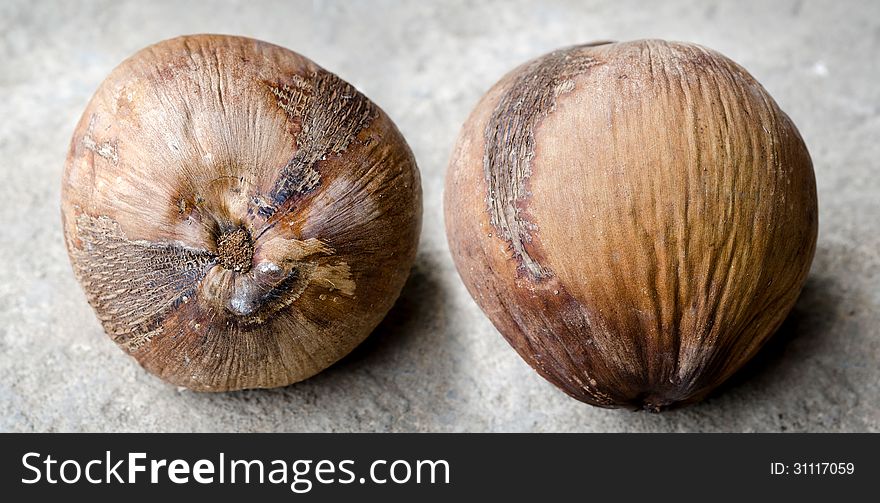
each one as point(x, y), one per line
point(635, 218)
point(238, 216)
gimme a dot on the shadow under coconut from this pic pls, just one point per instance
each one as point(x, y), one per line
point(796, 375)
point(815, 304)
point(759, 374)
point(814, 374)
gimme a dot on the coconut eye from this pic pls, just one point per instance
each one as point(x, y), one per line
point(238, 216)
point(635, 218)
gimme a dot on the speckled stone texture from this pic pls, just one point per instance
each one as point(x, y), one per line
point(436, 363)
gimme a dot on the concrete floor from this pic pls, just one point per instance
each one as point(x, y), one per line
point(436, 363)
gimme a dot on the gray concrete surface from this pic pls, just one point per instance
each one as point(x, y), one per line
point(436, 364)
